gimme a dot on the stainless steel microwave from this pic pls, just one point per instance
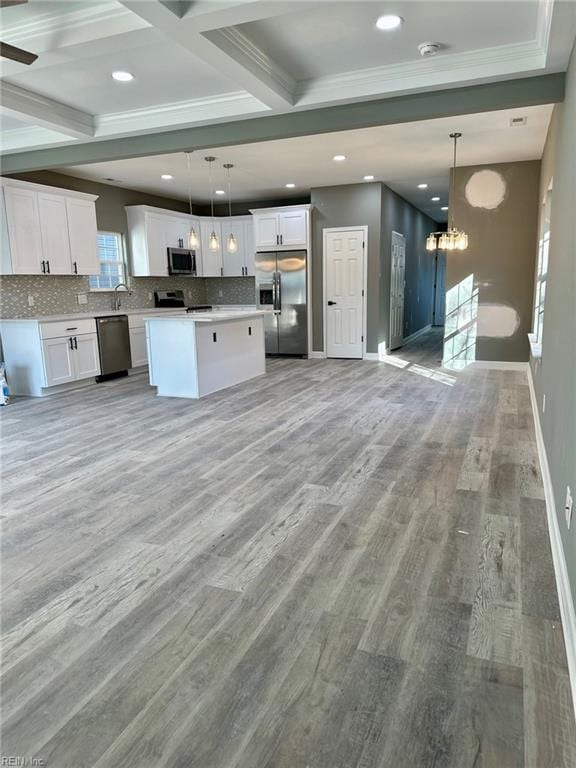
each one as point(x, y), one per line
point(181, 261)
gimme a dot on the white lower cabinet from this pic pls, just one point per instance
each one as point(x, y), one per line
point(70, 358)
point(138, 347)
point(58, 361)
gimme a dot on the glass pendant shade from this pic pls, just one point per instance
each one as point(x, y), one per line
point(213, 243)
point(192, 238)
point(431, 243)
point(231, 245)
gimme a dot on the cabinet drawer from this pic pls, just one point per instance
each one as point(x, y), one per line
point(67, 328)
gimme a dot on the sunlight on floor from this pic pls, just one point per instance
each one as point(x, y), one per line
point(429, 373)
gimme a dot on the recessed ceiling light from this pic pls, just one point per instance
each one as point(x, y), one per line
point(422, 186)
point(166, 176)
point(435, 199)
point(368, 178)
point(444, 208)
point(389, 21)
point(123, 77)
point(290, 185)
point(220, 192)
point(339, 158)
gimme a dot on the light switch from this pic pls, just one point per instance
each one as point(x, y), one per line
point(82, 298)
point(30, 300)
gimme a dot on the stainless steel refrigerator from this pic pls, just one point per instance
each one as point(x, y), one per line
point(281, 289)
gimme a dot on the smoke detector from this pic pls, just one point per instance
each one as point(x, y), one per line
point(429, 49)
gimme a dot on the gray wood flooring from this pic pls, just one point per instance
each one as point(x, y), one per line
point(342, 564)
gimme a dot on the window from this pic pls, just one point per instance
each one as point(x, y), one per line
point(542, 268)
point(112, 266)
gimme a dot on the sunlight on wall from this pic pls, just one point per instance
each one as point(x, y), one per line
point(461, 328)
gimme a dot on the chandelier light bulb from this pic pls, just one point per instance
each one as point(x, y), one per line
point(213, 243)
point(232, 245)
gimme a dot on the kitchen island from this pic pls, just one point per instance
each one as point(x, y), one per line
point(195, 354)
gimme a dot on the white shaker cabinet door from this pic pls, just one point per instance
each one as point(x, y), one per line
point(23, 220)
point(266, 230)
point(156, 245)
point(85, 356)
point(58, 360)
point(233, 262)
point(54, 231)
point(211, 259)
point(293, 228)
point(83, 232)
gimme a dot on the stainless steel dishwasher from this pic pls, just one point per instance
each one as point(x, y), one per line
point(114, 346)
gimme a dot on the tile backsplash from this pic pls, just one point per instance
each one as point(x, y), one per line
point(59, 295)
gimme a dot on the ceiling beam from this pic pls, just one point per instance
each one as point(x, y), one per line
point(33, 108)
point(508, 94)
point(228, 50)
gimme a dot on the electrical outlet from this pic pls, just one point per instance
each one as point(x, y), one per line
point(149, 295)
point(30, 300)
point(82, 298)
point(220, 294)
point(189, 294)
point(543, 403)
point(568, 506)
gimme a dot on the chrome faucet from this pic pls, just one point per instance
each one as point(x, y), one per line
point(116, 301)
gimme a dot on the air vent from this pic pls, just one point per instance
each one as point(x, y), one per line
point(516, 121)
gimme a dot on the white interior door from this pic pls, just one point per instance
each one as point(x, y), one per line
point(397, 283)
point(344, 280)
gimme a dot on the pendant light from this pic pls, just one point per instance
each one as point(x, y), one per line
point(192, 236)
point(231, 243)
point(213, 241)
point(454, 239)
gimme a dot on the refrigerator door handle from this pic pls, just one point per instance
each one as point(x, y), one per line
point(279, 291)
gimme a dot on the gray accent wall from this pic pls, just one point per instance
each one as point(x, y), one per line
point(375, 205)
point(501, 257)
point(400, 216)
point(555, 372)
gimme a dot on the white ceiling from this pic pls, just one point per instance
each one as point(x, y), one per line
point(402, 156)
point(228, 59)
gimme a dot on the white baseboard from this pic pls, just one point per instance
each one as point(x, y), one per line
point(499, 365)
point(415, 335)
point(567, 607)
point(371, 356)
point(317, 355)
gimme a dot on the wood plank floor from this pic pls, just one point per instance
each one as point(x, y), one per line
point(342, 564)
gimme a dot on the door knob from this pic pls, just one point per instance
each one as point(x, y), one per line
point(331, 303)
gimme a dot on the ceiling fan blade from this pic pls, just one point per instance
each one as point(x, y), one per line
point(8, 3)
point(17, 54)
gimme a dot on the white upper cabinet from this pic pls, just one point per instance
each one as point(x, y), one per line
point(267, 230)
point(83, 231)
point(46, 230)
point(22, 255)
point(234, 263)
point(54, 231)
point(152, 231)
point(211, 259)
point(293, 226)
point(281, 228)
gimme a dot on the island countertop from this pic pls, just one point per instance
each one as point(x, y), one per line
point(206, 317)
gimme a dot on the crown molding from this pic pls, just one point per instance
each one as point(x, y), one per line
point(212, 109)
point(30, 106)
point(444, 70)
point(57, 22)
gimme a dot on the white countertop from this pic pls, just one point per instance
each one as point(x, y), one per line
point(206, 317)
point(140, 311)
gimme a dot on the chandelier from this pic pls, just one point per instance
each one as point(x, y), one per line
point(213, 240)
point(454, 239)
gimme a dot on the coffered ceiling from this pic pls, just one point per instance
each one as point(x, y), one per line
point(197, 63)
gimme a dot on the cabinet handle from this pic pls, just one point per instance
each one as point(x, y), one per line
point(221, 271)
point(249, 330)
point(71, 342)
point(48, 266)
point(214, 337)
point(75, 342)
point(75, 268)
point(281, 239)
point(43, 267)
